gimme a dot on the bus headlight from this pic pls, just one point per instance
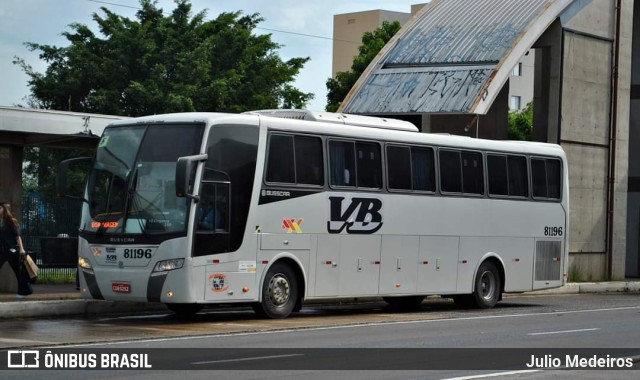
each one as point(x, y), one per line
point(167, 265)
point(84, 263)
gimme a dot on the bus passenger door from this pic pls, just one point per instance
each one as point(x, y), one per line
point(438, 264)
point(398, 269)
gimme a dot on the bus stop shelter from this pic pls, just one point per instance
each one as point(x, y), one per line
point(22, 127)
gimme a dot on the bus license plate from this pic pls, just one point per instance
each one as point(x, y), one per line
point(120, 287)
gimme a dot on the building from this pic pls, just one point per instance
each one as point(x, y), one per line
point(348, 29)
point(448, 70)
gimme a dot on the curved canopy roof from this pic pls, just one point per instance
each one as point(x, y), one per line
point(454, 56)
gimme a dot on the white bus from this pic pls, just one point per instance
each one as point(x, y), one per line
point(273, 208)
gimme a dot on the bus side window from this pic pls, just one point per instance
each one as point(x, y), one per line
point(472, 173)
point(423, 169)
point(497, 172)
point(399, 167)
point(280, 166)
point(342, 163)
point(369, 165)
point(539, 177)
point(518, 178)
point(309, 160)
point(450, 171)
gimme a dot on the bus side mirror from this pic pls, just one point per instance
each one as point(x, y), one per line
point(63, 173)
point(185, 173)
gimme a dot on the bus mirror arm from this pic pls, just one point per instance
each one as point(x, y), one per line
point(185, 173)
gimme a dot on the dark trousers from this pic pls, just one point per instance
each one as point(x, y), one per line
point(14, 261)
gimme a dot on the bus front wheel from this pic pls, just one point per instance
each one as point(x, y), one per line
point(279, 292)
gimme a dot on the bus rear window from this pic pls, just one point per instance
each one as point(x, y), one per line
point(546, 178)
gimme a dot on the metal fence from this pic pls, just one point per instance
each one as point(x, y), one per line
point(49, 217)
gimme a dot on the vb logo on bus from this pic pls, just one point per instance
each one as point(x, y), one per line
point(361, 216)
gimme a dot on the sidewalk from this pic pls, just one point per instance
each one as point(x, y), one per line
point(64, 300)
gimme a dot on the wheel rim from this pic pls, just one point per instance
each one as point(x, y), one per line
point(279, 289)
point(487, 285)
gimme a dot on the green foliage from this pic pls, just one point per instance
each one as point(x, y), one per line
point(521, 123)
point(41, 166)
point(159, 64)
point(372, 43)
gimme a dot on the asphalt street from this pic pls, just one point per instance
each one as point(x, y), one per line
point(362, 340)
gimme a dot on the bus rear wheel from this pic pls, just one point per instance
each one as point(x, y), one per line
point(279, 292)
point(487, 289)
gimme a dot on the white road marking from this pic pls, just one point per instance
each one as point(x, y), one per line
point(372, 324)
point(247, 359)
point(486, 375)
point(563, 332)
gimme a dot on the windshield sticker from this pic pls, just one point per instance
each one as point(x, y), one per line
point(219, 282)
point(291, 225)
point(103, 142)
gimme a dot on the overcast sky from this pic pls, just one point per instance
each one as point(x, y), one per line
point(43, 21)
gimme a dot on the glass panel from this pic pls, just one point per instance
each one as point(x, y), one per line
point(280, 166)
point(108, 180)
point(154, 206)
point(450, 171)
point(309, 161)
point(497, 167)
point(554, 178)
point(539, 178)
point(423, 169)
point(369, 165)
point(342, 163)
point(399, 167)
point(232, 152)
point(518, 178)
point(472, 173)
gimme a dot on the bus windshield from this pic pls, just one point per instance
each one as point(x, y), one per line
point(131, 187)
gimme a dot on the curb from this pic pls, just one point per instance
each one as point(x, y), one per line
point(592, 287)
point(81, 307)
point(78, 307)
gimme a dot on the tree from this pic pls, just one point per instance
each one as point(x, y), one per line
point(372, 43)
point(158, 64)
point(39, 171)
point(521, 123)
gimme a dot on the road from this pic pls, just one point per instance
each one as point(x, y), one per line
point(360, 337)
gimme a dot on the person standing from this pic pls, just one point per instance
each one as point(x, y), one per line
point(12, 249)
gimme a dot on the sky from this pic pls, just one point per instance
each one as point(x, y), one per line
point(43, 21)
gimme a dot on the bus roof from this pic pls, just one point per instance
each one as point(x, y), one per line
point(349, 126)
point(340, 118)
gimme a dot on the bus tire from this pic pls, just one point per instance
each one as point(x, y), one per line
point(279, 292)
point(404, 303)
point(487, 289)
point(184, 309)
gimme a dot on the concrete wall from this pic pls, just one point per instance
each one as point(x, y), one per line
point(633, 196)
point(585, 135)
